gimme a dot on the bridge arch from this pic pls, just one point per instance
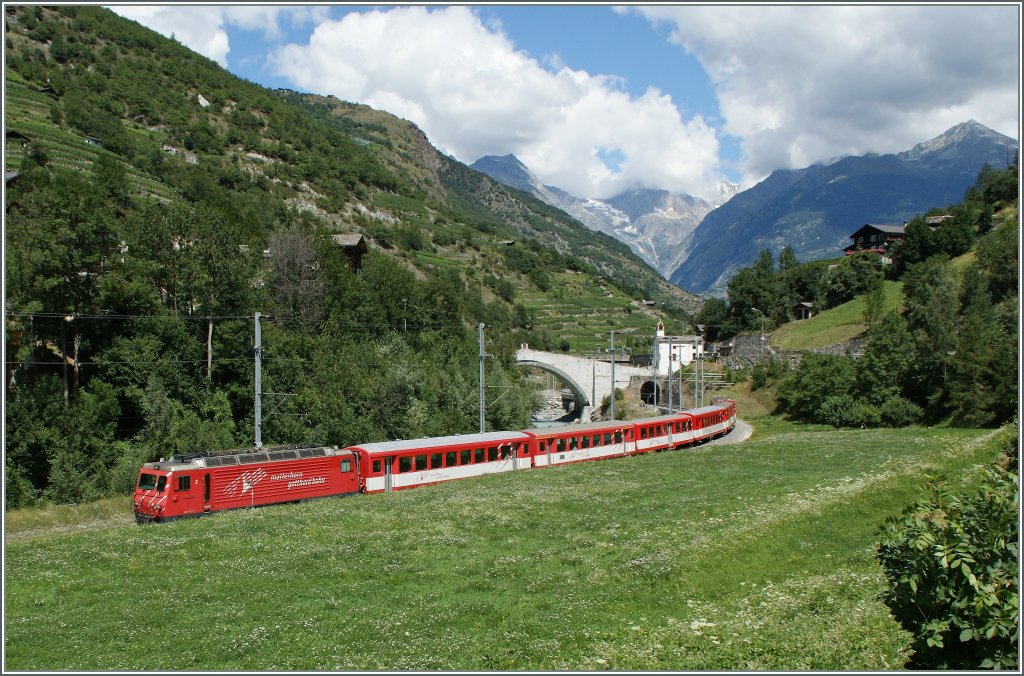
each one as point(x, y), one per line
point(582, 400)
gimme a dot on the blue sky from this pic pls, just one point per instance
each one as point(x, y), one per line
point(597, 99)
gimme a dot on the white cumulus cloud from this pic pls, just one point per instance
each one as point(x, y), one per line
point(473, 93)
point(202, 28)
point(804, 84)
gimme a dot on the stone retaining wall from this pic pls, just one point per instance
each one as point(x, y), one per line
point(743, 351)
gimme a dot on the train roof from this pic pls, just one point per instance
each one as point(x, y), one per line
point(705, 409)
point(580, 427)
point(246, 456)
point(668, 417)
point(397, 445)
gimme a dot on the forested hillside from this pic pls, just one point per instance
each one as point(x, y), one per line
point(155, 203)
point(947, 353)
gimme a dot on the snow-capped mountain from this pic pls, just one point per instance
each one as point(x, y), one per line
point(656, 224)
point(814, 210)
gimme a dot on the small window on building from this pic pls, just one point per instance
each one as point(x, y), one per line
point(184, 483)
point(346, 466)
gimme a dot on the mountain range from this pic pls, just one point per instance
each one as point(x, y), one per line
point(656, 224)
point(698, 245)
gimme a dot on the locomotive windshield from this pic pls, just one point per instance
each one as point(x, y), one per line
point(148, 482)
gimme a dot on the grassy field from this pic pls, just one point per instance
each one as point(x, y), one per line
point(835, 325)
point(754, 556)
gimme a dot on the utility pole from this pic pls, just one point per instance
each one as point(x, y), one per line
point(668, 379)
point(682, 404)
point(612, 410)
point(696, 361)
point(701, 382)
point(762, 328)
point(259, 384)
point(480, 328)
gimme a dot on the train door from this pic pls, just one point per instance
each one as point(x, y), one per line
point(207, 491)
point(186, 493)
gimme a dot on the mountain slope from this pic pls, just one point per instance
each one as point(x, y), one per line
point(656, 224)
point(84, 84)
point(813, 210)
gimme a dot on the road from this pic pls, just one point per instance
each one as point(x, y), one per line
point(740, 432)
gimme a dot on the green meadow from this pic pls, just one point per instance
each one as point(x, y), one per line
point(750, 556)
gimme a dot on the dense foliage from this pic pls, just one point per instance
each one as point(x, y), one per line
point(159, 203)
point(950, 354)
point(951, 565)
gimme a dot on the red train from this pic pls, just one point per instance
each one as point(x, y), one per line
point(193, 485)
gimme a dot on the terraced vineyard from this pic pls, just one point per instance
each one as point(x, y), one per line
point(27, 115)
point(581, 313)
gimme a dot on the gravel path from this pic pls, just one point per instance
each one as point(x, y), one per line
point(739, 433)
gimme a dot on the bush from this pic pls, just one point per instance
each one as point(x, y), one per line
point(846, 411)
point(951, 565)
point(899, 412)
point(766, 371)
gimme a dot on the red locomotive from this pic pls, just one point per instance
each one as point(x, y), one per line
point(193, 485)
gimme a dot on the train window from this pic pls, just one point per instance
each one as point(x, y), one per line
point(346, 465)
point(618, 436)
point(573, 442)
point(376, 466)
point(506, 451)
point(161, 483)
point(465, 457)
point(478, 455)
point(404, 464)
point(147, 482)
point(607, 438)
point(451, 458)
point(561, 445)
point(492, 453)
point(585, 442)
point(435, 461)
point(421, 463)
point(643, 432)
point(184, 482)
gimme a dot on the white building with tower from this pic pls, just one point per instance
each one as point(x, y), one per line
point(674, 352)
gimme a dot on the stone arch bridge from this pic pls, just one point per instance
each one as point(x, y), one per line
point(589, 379)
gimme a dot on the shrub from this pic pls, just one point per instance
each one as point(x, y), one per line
point(899, 412)
point(846, 411)
point(766, 371)
point(951, 565)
